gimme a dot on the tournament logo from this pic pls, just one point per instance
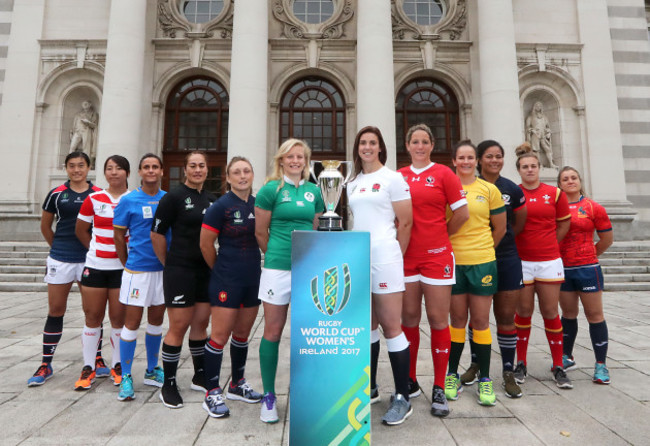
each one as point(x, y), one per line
point(487, 280)
point(330, 304)
point(188, 204)
point(223, 296)
point(237, 217)
point(285, 196)
point(309, 196)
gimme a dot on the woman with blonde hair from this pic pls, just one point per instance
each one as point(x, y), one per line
point(287, 202)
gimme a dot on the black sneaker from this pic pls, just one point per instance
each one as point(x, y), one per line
point(439, 406)
point(198, 382)
point(414, 389)
point(520, 372)
point(170, 397)
point(374, 395)
point(561, 380)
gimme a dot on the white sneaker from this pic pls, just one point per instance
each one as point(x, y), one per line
point(269, 413)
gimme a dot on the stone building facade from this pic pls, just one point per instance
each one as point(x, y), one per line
point(235, 77)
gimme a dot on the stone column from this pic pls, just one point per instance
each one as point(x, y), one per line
point(500, 108)
point(375, 78)
point(604, 142)
point(18, 109)
point(247, 121)
point(120, 126)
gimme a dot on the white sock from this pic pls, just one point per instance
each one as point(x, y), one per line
point(115, 343)
point(89, 342)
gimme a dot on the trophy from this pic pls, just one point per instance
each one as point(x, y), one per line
point(331, 182)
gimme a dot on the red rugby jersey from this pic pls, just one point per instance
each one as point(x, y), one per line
point(578, 246)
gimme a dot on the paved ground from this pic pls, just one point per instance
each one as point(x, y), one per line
point(587, 415)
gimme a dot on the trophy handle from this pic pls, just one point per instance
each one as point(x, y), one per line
point(312, 170)
point(349, 170)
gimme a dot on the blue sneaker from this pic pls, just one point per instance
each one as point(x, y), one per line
point(568, 363)
point(101, 370)
point(155, 378)
point(601, 374)
point(215, 405)
point(243, 392)
point(126, 389)
point(43, 373)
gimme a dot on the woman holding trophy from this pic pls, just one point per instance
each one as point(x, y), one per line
point(429, 263)
point(286, 203)
point(378, 199)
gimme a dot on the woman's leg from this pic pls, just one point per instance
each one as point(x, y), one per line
point(505, 304)
point(437, 301)
point(523, 322)
point(570, 311)
point(411, 315)
point(549, 297)
point(388, 309)
point(275, 318)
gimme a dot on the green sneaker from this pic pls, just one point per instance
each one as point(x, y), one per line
point(452, 386)
point(486, 395)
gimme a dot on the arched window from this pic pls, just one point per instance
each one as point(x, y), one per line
point(313, 11)
point(424, 12)
point(202, 11)
point(433, 103)
point(196, 118)
point(314, 110)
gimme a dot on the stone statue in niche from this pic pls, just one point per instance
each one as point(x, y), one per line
point(83, 136)
point(538, 134)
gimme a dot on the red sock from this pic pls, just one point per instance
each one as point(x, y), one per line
point(554, 333)
point(440, 347)
point(522, 324)
point(413, 336)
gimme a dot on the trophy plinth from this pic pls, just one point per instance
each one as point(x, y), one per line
point(331, 182)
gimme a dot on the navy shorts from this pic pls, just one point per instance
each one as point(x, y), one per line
point(583, 279)
point(100, 278)
point(235, 296)
point(185, 286)
point(510, 276)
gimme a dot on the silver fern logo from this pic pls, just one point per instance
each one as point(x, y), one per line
point(332, 303)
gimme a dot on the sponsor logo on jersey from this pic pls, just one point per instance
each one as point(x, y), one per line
point(375, 187)
point(300, 204)
point(309, 196)
point(52, 271)
point(487, 280)
point(506, 199)
point(188, 204)
point(333, 301)
point(533, 200)
point(223, 296)
point(270, 293)
point(589, 288)
point(383, 285)
point(362, 190)
point(251, 216)
point(414, 179)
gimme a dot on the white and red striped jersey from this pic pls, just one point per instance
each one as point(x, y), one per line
point(98, 209)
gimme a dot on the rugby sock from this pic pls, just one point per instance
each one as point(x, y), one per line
point(197, 349)
point(508, 346)
point(522, 325)
point(457, 344)
point(100, 343)
point(128, 341)
point(599, 340)
point(269, 363)
point(89, 339)
point(171, 354)
point(152, 340)
point(238, 354)
point(413, 336)
point(398, 353)
point(213, 359)
point(553, 328)
point(374, 357)
point(570, 329)
point(51, 336)
point(115, 343)
point(483, 345)
point(472, 345)
point(440, 346)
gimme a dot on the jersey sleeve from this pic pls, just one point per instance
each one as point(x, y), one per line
point(454, 191)
point(497, 206)
point(214, 217)
point(601, 219)
point(165, 215)
point(49, 204)
point(562, 211)
point(86, 212)
point(398, 189)
point(517, 199)
point(265, 198)
point(121, 216)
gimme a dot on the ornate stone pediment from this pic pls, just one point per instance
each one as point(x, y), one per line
point(174, 24)
point(450, 26)
point(294, 28)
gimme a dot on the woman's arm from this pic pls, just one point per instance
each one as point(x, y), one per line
point(159, 243)
point(316, 217)
point(605, 240)
point(520, 220)
point(562, 228)
point(458, 219)
point(404, 215)
point(208, 249)
point(498, 223)
point(119, 236)
point(82, 231)
point(262, 224)
point(47, 218)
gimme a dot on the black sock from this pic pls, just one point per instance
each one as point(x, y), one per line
point(51, 336)
point(472, 345)
point(238, 354)
point(170, 356)
point(399, 362)
point(374, 360)
point(454, 356)
point(99, 344)
point(197, 349)
point(508, 346)
point(599, 340)
point(483, 354)
point(213, 359)
point(570, 331)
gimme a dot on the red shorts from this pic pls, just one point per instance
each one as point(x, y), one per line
point(437, 269)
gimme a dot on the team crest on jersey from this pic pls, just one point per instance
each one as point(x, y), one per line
point(223, 296)
point(546, 198)
point(285, 196)
point(309, 196)
point(188, 204)
point(582, 213)
point(135, 293)
point(506, 199)
point(487, 280)
point(431, 179)
point(375, 187)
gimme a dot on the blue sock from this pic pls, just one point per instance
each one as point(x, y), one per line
point(599, 340)
point(152, 343)
point(569, 334)
point(127, 352)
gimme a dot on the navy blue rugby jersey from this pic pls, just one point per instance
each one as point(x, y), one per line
point(515, 201)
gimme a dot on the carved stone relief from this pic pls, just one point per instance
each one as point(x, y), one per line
point(542, 128)
point(333, 28)
point(450, 26)
point(174, 24)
